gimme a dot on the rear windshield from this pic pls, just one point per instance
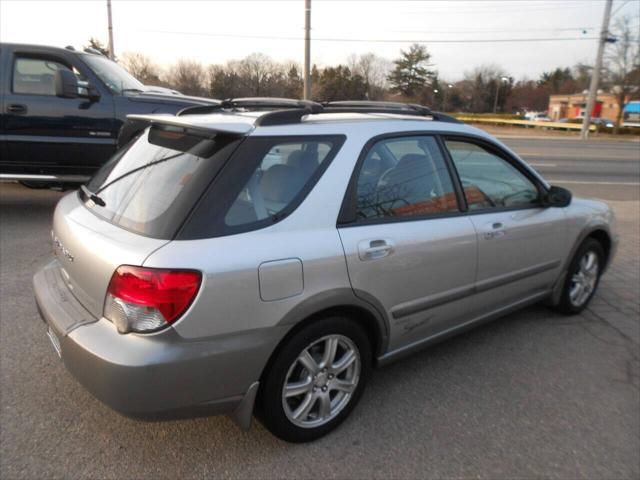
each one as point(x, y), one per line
point(265, 181)
point(150, 187)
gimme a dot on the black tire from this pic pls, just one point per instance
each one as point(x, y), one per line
point(34, 184)
point(566, 306)
point(270, 407)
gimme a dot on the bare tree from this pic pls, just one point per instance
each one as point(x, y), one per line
point(224, 82)
point(187, 76)
point(141, 67)
point(623, 64)
point(482, 85)
point(374, 70)
point(256, 73)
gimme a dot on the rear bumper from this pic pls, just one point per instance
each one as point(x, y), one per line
point(159, 375)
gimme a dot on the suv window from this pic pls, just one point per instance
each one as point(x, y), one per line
point(150, 187)
point(404, 177)
point(489, 181)
point(280, 175)
point(36, 76)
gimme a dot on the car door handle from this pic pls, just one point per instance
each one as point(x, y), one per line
point(17, 108)
point(374, 249)
point(495, 230)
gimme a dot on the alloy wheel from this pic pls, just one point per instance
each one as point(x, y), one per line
point(584, 279)
point(321, 381)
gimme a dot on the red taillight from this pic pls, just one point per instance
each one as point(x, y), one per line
point(145, 299)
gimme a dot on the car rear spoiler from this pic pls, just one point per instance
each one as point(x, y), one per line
point(227, 126)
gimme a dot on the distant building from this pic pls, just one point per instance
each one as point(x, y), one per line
point(574, 105)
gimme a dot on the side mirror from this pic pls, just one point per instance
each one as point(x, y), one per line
point(66, 84)
point(557, 197)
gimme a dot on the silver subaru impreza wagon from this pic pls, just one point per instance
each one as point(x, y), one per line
point(262, 255)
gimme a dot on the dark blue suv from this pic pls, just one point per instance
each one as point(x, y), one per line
point(62, 111)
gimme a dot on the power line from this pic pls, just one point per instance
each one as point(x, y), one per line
point(500, 30)
point(372, 40)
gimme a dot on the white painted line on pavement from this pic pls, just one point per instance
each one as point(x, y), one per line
point(598, 156)
point(578, 182)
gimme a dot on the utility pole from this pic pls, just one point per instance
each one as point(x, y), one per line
point(495, 100)
point(307, 50)
point(595, 76)
point(111, 54)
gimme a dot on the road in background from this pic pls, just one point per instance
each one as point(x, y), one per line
point(535, 394)
point(608, 169)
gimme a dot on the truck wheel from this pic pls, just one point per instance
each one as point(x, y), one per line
point(34, 184)
point(315, 380)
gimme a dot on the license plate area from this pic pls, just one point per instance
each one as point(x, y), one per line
point(54, 341)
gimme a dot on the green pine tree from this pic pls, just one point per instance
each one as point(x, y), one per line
point(411, 72)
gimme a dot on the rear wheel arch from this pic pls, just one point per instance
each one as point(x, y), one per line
point(315, 309)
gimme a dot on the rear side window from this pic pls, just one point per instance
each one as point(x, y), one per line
point(150, 187)
point(404, 177)
point(265, 180)
point(279, 177)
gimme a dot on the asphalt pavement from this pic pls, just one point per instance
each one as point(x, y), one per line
point(532, 395)
point(609, 169)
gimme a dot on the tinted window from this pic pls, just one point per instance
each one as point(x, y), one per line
point(404, 177)
point(280, 175)
point(151, 186)
point(488, 180)
point(264, 181)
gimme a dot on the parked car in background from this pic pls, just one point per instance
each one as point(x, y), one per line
point(631, 114)
point(62, 110)
point(602, 122)
point(599, 122)
point(537, 117)
point(239, 258)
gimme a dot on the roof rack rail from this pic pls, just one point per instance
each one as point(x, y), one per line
point(256, 103)
point(290, 110)
point(367, 106)
point(253, 103)
point(412, 108)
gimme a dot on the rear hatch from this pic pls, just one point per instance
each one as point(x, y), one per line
point(134, 205)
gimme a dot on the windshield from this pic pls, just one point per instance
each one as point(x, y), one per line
point(113, 75)
point(150, 187)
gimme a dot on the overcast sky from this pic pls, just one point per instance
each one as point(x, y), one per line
point(216, 31)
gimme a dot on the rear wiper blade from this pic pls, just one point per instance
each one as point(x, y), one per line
point(92, 196)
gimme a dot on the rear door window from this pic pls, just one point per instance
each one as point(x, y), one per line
point(150, 187)
point(404, 177)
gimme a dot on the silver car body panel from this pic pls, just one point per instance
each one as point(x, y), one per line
point(90, 249)
point(438, 277)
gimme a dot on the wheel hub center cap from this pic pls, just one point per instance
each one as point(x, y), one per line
point(321, 380)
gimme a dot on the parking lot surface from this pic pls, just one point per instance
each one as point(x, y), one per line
point(534, 394)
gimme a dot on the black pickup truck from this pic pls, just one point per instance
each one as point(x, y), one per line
point(61, 112)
